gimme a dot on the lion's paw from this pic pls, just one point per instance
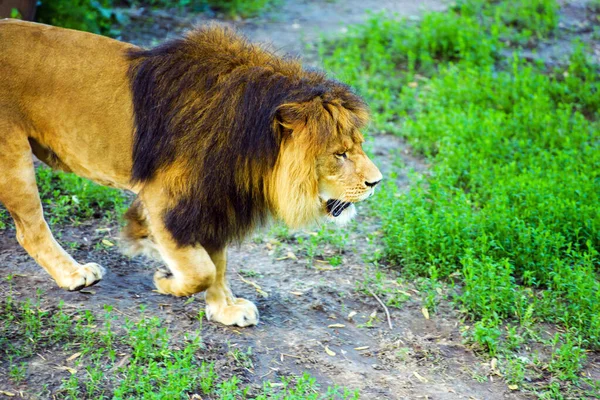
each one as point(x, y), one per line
point(164, 282)
point(84, 276)
point(167, 283)
point(242, 313)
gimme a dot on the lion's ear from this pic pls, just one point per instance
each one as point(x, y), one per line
point(291, 116)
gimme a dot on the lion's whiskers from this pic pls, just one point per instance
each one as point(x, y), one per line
point(339, 202)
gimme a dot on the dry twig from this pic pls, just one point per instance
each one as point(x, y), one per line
point(389, 319)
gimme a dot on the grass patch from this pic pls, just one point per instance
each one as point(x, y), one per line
point(106, 18)
point(509, 210)
point(67, 198)
point(241, 8)
point(103, 356)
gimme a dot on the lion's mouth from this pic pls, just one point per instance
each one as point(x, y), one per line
point(336, 207)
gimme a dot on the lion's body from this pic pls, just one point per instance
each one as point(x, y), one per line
point(214, 135)
point(68, 87)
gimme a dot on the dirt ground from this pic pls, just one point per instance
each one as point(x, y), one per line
point(418, 359)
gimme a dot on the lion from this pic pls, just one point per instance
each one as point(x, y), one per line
point(216, 136)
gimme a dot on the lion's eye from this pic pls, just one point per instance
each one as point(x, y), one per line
point(341, 155)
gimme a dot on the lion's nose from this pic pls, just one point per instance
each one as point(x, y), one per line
point(372, 184)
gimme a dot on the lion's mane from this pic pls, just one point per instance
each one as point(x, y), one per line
point(214, 113)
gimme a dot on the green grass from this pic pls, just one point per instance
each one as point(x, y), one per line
point(106, 18)
point(509, 211)
point(69, 199)
point(141, 358)
point(325, 243)
point(241, 8)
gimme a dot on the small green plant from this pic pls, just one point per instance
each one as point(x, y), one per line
point(4, 218)
point(335, 261)
point(486, 335)
point(14, 13)
point(241, 358)
point(249, 273)
point(514, 370)
point(17, 372)
point(241, 8)
point(567, 358)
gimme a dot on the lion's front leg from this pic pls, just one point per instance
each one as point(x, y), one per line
point(193, 269)
point(189, 269)
point(221, 305)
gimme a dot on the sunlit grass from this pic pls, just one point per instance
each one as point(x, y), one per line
point(509, 211)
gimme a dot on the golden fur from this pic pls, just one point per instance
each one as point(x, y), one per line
point(213, 134)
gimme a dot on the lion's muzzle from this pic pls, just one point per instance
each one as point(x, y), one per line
point(335, 207)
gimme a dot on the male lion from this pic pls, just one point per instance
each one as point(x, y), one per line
point(212, 133)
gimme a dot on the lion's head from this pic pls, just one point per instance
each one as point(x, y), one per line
point(237, 133)
point(322, 169)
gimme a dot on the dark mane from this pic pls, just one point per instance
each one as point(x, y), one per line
point(207, 103)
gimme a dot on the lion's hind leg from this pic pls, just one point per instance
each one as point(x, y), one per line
point(136, 238)
point(19, 194)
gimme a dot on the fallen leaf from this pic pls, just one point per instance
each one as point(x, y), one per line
point(71, 370)
point(107, 242)
point(328, 351)
point(256, 286)
point(361, 348)
point(319, 268)
point(494, 363)
point(420, 377)
point(288, 256)
point(513, 387)
point(351, 315)
point(74, 356)
point(337, 326)
point(425, 312)
point(122, 362)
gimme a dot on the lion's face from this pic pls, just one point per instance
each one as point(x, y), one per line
point(346, 176)
point(321, 170)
